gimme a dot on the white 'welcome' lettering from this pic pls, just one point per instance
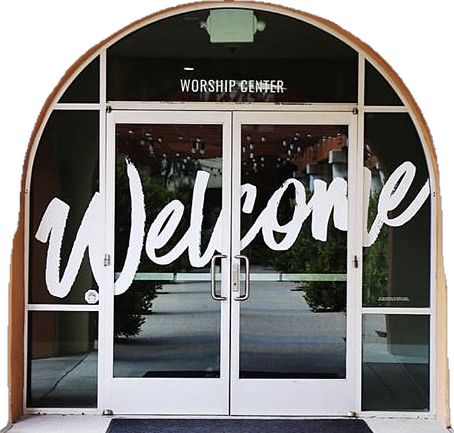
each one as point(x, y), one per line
point(326, 200)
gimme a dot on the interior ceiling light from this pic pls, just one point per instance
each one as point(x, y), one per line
point(232, 26)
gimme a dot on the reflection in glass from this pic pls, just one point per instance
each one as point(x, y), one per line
point(395, 362)
point(294, 324)
point(62, 359)
point(396, 269)
point(66, 167)
point(85, 87)
point(166, 324)
point(175, 334)
point(148, 64)
point(377, 90)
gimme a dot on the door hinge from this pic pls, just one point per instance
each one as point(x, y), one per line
point(107, 260)
point(355, 262)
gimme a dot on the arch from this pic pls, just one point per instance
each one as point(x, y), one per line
point(19, 262)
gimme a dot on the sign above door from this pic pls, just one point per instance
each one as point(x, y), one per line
point(228, 86)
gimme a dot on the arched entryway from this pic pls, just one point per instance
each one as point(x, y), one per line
point(139, 125)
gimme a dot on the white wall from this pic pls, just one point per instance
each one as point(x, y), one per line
point(39, 40)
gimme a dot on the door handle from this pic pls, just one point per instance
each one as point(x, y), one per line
point(214, 295)
point(247, 280)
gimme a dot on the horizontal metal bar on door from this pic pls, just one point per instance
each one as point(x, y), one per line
point(206, 276)
point(62, 307)
point(231, 106)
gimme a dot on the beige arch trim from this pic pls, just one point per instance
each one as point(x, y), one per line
point(17, 281)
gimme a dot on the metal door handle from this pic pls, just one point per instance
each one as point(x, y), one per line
point(214, 295)
point(247, 280)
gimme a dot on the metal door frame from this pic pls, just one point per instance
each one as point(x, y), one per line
point(257, 396)
point(198, 113)
point(174, 396)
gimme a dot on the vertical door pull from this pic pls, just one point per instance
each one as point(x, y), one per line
point(214, 295)
point(247, 280)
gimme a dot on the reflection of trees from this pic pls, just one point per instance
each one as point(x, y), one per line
point(131, 306)
point(308, 255)
point(311, 256)
point(375, 263)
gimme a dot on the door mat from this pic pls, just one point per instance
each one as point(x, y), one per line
point(122, 425)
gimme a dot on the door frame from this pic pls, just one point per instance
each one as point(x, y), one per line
point(130, 110)
point(174, 396)
point(268, 397)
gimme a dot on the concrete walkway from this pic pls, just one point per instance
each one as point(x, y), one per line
point(99, 424)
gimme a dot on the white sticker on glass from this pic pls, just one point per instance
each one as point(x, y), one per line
point(91, 297)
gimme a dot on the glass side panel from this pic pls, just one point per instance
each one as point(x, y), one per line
point(395, 362)
point(62, 359)
point(396, 269)
point(65, 169)
point(85, 87)
point(377, 89)
point(170, 59)
point(294, 324)
point(166, 324)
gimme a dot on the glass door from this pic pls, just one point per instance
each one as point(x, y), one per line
point(168, 195)
point(295, 250)
point(233, 263)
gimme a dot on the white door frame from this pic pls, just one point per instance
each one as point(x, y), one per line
point(186, 396)
point(301, 397)
point(172, 396)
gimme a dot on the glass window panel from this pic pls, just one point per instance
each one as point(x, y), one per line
point(85, 87)
point(65, 167)
point(167, 329)
point(395, 362)
point(313, 65)
point(377, 89)
point(166, 324)
point(396, 269)
point(294, 323)
point(62, 359)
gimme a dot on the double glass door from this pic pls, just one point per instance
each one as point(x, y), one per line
point(232, 281)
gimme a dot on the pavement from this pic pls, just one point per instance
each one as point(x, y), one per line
point(280, 334)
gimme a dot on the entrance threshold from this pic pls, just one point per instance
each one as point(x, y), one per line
point(100, 424)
